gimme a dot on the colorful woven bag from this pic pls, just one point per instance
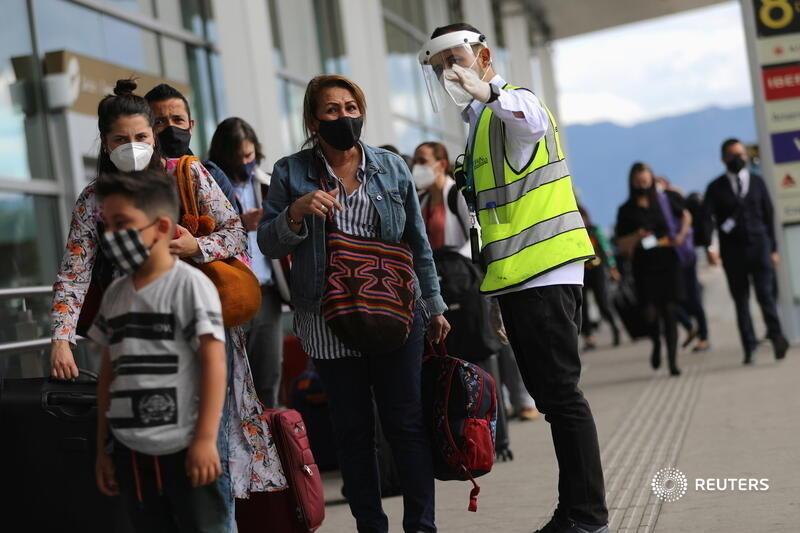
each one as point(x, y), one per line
point(369, 294)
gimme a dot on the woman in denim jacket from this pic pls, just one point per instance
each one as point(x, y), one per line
point(371, 194)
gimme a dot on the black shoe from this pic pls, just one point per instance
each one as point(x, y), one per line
point(781, 347)
point(615, 333)
point(557, 524)
point(748, 358)
point(674, 371)
point(576, 527)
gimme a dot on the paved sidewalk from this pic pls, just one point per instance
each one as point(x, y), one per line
point(719, 420)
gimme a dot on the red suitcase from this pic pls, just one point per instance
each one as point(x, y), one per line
point(300, 508)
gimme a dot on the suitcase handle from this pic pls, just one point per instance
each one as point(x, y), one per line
point(92, 376)
point(71, 398)
point(70, 405)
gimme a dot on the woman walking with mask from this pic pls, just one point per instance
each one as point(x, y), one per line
point(651, 226)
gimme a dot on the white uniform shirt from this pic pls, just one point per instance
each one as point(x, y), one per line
point(526, 122)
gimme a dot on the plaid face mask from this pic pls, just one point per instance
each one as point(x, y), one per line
point(125, 248)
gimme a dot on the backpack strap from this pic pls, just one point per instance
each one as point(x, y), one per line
point(452, 204)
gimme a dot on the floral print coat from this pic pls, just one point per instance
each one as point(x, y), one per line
point(254, 463)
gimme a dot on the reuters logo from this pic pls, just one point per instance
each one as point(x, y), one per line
point(669, 484)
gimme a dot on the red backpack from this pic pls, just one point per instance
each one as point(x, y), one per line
point(460, 405)
point(300, 508)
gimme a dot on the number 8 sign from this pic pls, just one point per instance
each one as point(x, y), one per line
point(777, 17)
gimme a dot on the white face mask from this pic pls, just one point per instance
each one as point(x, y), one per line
point(129, 157)
point(424, 176)
point(459, 94)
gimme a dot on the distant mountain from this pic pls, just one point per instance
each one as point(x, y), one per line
point(683, 148)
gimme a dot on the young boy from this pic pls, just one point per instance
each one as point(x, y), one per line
point(162, 379)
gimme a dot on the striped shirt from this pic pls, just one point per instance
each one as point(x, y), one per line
point(360, 218)
point(153, 334)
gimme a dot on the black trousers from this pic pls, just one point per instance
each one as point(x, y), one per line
point(394, 381)
point(752, 263)
point(542, 325)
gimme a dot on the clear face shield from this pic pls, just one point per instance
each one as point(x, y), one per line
point(439, 57)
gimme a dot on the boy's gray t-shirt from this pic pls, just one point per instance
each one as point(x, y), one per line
point(153, 335)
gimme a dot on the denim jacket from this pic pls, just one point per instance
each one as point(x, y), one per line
point(394, 196)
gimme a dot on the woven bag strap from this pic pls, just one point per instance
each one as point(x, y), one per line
point(186, 187)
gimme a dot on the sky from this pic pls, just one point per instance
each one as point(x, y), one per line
point(662, 67)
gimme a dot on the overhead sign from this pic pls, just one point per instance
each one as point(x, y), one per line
point(91, 79)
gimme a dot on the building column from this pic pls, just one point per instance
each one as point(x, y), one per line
point(545, 78)
point(517, 31)
point(365, 42)
point(248, 70)
point(479, 14)
point(787, 271)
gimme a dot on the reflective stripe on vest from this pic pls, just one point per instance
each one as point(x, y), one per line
point(534, 226)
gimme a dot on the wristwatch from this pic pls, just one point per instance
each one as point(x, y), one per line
point(494, 93)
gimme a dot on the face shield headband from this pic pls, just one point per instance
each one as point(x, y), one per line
point(439, 55)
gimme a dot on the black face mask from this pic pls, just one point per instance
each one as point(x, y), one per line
point(174, 141)
point(736, 164)
point(342, 133)
point(638, 192)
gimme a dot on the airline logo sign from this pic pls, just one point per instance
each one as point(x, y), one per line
point(781, 82)
point(777, 17)
point(786, 146)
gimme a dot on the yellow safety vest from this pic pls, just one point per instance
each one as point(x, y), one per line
point(530, 224)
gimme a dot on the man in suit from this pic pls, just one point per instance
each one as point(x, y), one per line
point(738, 204)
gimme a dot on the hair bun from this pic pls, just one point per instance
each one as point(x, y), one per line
point(125, 87)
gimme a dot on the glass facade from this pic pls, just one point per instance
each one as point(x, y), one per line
point(169, 39)
point(298, 56)
point(40, 174)
point(21, 122)
point(414, 119)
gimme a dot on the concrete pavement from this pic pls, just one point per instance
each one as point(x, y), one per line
point(719, 420)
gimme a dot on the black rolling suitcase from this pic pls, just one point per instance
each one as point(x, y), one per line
point(47, 457)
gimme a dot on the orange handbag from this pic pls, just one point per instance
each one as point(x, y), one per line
point(239, 290)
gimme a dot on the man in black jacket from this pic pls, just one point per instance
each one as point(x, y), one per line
point(738, 202)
